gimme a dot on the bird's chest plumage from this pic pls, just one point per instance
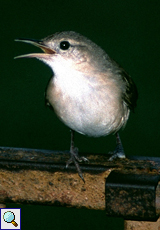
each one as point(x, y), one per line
point(84, 105)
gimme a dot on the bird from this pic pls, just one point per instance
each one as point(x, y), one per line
point(89, 92)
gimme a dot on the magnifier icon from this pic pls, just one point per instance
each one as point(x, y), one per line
point(9, 217)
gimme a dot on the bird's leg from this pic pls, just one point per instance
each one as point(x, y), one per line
point(119, 151)
point(75, 157)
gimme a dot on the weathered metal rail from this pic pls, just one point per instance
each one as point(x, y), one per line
point(34, 176)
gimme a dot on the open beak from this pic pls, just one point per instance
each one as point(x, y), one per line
point(47, 51)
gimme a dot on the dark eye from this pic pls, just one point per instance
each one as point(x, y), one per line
point(64, 45)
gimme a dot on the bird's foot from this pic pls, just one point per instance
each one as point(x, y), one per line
point(116, 154)
point(119, 151)
point(75, 159)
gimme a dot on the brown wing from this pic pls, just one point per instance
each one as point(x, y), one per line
point(130, 95)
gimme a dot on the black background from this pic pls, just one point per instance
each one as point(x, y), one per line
point(129, 31)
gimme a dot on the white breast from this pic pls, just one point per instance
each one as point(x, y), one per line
point(83, 105)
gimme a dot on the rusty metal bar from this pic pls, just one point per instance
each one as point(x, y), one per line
point(132, 195)
point(141, 225)
point(40, 177)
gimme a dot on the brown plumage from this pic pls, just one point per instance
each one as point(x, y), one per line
point(89, 91)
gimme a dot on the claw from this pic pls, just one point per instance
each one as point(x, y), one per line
point(115, 155)
point(75, 157)
point(119, 152)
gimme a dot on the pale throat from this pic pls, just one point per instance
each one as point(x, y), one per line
point(68, 78)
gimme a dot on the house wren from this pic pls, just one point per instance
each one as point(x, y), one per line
point(89, 92)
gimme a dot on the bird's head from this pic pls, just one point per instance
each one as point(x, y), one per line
point(67, 48)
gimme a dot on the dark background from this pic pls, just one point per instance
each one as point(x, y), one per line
point(129, 31)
